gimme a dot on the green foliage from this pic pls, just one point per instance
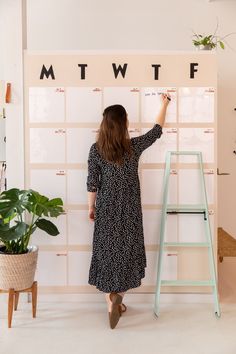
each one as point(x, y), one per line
point(21, 213)
point(222, 45)
point(47, 226)
point(211, 41)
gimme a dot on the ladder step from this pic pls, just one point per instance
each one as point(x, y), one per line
point(185, 153)
point(188, 282)
point(185, 208)
point(186, 244)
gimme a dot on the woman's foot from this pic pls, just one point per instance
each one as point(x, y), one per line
point(122, 308)
point(115, 313)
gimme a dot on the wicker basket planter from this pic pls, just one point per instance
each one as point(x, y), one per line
point(17, 271)
point(21, 213)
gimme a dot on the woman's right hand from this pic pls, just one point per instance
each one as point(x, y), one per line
point(165, 99)
point(160, 119)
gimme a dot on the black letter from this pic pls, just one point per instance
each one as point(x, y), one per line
point(82, 66)
point(119, 69)
point(156, 71)
point(47, 73)
point(192, 69)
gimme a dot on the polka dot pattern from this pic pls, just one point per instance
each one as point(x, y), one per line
point(118, 254)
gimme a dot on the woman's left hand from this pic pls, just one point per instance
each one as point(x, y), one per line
point(91, 213)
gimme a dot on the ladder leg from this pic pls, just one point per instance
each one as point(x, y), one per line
point(158, 283)
point(212, 268)
point(209, 239)
point(162, 234)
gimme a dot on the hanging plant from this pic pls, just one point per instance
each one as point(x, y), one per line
point(210, 41)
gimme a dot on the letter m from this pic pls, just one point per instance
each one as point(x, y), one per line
point(47, 73)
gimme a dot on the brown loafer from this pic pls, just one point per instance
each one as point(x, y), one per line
point(114, 315)
point(122, 308)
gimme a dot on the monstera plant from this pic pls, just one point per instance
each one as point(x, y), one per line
point(21, 213)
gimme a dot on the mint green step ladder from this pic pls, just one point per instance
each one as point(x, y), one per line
point(185, 209)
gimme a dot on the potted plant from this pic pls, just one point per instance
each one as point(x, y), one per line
point(21, 213)
point(211, 41)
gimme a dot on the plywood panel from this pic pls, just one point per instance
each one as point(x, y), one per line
point(196, 104)
point(191, 189)
point(157, 152)
point(46, 104)
point(151, 104)
point(47, 145)
point(169, 270)
point(83, 104)
point(51, 268)
point(197, 139)
point(78, 268)
point(151, 225)
point(40, 237)
point(79, 141)
point(80, 228)
point(76, 187)
point(152, 187)
point(51, 183)
point(125, 96)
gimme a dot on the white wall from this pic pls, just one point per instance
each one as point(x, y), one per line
point(11, 70)
point(123, 24)
point(154, 25)
point(1, 41)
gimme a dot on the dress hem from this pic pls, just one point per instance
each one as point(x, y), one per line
point(116, 291)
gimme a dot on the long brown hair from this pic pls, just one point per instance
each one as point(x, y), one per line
point(113, 138)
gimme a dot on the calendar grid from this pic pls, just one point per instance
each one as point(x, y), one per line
point(46, 128)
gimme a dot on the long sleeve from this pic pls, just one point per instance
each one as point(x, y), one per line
point(142, 142)
point(93, 178)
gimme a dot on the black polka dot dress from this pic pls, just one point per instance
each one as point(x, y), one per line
point(118, 254)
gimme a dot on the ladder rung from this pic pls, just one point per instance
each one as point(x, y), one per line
point(186, 244)
point(185, 152)
point(188, 282)
point(186, 208)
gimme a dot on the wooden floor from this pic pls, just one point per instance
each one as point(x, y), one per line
point(227, 266)
point(226, 244)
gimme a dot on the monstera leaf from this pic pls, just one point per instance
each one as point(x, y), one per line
point(13, 233)
point(13, 201)
point(41, 205)
point(16, 206)
point(48, 227)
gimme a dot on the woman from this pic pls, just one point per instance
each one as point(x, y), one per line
point(118, 258)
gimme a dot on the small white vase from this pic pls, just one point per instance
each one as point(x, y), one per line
point(204, 47)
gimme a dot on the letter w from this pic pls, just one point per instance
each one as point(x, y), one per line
point(120, 69)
